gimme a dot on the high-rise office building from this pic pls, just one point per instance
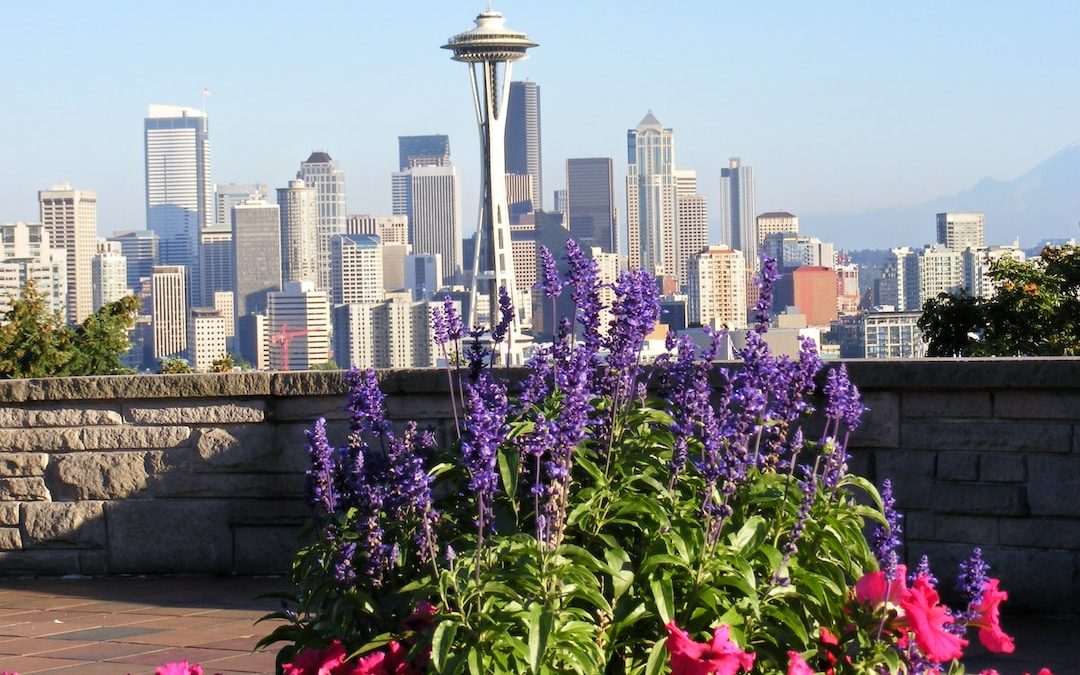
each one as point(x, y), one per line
point(431, 150)
point(692, 233)
point(590, 198)
point(208, 330)
point(141, 248)
point(737, 210)
point(299, 321)
point(108, 271)
point(228, 195)
point(356, 269)
point(978, 263)
point(256, 233)
point(717, 287)
point(179, 189)
point(562, 202)
point(392, 334)
point(300, 234)
point(519, 197)
point(430, 198)
point(423, 275)
point(169, 310)
point(791, 250)
point(389, 229)
point(650, 197)
point(523, 144)
point(941, 270)
point(961, 230)
point(70, 216)
point(215, 262)
point(323, 174)
point(27, 254)
point(775, 222)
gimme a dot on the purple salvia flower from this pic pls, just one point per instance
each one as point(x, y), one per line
point(585, 279)
point(791, 546)
point(410, 486)
point(321, 476)
point(634, 311)
point(366, 408)
point(972, 578)
point(537, 385)
point(485, 429)
point(766, 283)
point(550, 281)
point(455, 329)
point(923, 570)
point(476, 353)
point(344, 572)
point(438, 327)
point(885, 540)
point(506, 316)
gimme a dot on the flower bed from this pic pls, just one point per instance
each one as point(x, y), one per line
point(583, 526)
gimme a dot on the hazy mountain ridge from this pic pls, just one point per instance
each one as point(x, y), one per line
point(1042, 203)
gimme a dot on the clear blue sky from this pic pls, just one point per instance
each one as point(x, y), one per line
point(838, 106)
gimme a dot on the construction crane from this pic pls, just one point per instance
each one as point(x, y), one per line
point(283, 337)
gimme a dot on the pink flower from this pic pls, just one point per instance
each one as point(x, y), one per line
point(926, 617)
point(874, 589)
point(391, 661)
point(1044, 671)
point(797, 665)
point(179, 668)
point(720, 656)
point(317, 661)
point(989, 671)
point(988, 619)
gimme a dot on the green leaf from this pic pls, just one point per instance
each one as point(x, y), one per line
point(656, 657)
point(442, 641)
point(750, 536)
point(509, 465)
point(476, 666)
point(539, 629)
point(664, 597)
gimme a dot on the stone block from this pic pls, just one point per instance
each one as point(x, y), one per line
point(93, 563)
point(195, 385)
point(946, 404)
point(98, 475)
point(248, 448)
point(420, 407)
point(881, 425)
point(1036, 580)
point(9, 513)
point(92, 438)
point(280, 512)
point(265, 550)
point(207, 412)
point(63, 525)
point(227, 485)
point(13, 464)
point(1044, 533)
point(18, 418)
point(306, 409)
point(1053, 485)
point(979, 499)
point(957, 466)
point(911, 473)
point(292, 438)
point(999, 467)
point(24, 490)
point(308, 382)
point(920, 525)
point(10, 539)
point(987, 436)
point(164, 461)
point(39, 563)
point(154, 536)
point(974, 530)
point(1045, 405)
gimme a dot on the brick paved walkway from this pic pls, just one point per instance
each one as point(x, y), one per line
point(116, 626)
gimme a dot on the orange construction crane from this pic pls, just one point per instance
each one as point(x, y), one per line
point(283, 337)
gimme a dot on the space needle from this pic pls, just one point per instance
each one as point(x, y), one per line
point(490, 48)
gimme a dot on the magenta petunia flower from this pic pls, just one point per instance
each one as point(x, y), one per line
point(797, 665)
point(317, 661)
point(720, 656)
point(927, 618)
point(179, 668)
point(987, 619)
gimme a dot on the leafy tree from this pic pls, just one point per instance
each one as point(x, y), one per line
point(102, 339)
point(329, 365)
point(170, 365)
point(1034, 312)
point(34, 342)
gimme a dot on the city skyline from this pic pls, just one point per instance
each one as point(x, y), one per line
point(856, 109)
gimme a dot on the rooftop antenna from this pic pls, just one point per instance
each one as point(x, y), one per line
point(205, 94)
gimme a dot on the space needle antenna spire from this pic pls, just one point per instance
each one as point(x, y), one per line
point(490, 48)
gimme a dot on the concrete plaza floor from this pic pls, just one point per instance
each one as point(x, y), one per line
point(121, 625)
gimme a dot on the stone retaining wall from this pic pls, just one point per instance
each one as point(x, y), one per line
point(204, 473)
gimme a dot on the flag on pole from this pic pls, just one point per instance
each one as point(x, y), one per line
point(205, 91)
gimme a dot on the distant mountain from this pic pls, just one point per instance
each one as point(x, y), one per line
point(1043, 203)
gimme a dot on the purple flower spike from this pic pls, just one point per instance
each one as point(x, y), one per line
point(485, 429)
point(766, 283)
point(886, 539)
point(550, 281)
point(585, 280)
point(972, 577)
point(506, 316)
point(321, 476)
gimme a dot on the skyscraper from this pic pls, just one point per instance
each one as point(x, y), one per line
point(692, 215)
point(299, 320)
point(717, 285)
point(651, 197)
point(70, 216)
point(356, 265)
point(523, 145)
point(215, 262)
point(168, 316)
point(300, 235)
point(490, 50)
point(256, 233)
point(590, 193)
point(141, 248)
point(433, 208)
point(108, 270)
point(179, 190)
point(960, 230)
point(431, 150)
point(323, 174)
point(775, 222)
point(26, 253)
point(737, 210)
point(228, 195)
